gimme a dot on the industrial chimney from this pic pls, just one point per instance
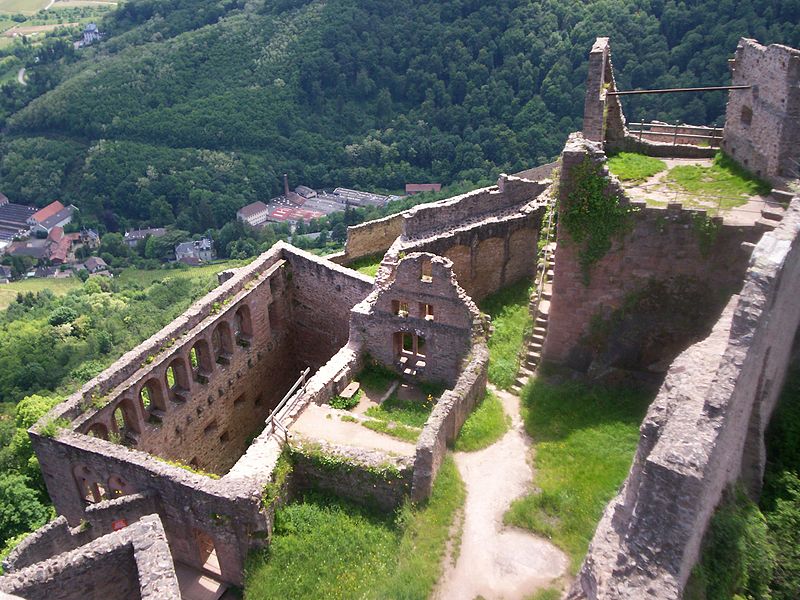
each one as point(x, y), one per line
point(286, 185)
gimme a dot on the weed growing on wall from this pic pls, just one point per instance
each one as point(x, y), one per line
point(591, 216)
point(272, 491)
point(707, 230)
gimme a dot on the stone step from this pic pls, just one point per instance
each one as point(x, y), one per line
point(550, 274)
point(773, 213)
point(782, 196)
point(542, 331)
point(766, 223)
point(544, 307)
point(537, 337)
point(541, 322)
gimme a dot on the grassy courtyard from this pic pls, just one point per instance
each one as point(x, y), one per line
point(511, 320)
point(484, 426)
point(632, 167)
point(324, 547)
point(584, 440)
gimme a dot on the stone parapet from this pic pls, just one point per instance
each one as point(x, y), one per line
point(704, 431)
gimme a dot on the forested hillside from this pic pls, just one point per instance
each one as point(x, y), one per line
point(191, 108)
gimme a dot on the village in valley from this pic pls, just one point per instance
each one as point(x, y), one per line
point(48, 243)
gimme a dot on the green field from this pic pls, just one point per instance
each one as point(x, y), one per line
point(26, 7)
point(59, 287)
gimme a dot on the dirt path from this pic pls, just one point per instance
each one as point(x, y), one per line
point(498, 562)
point(21, 76)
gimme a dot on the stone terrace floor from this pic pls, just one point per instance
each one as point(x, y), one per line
point(344, 427)
point(658, 192)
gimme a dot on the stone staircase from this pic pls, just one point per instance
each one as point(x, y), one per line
point(774, 208)
point(539, 306)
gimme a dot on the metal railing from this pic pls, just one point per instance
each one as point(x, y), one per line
point(298, 387)
point(676, 131)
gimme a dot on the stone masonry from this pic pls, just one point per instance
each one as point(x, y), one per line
point(762, 123)
point(659, 244)
point(134, 562)
point(704, 431)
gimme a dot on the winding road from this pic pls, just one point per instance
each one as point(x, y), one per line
point(496, 561)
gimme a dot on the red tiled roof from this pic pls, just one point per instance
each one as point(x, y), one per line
point(56, 233)
point(47, 211)
point(287, 213)
point(412, 188)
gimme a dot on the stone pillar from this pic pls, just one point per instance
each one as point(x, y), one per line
point(594, 104)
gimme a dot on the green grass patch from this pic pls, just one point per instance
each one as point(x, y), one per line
point(737, 559)
point(146, 277)
point(405, 412)
point(367, 265)
point(629, 166)
point(59, 287)
point(724, 179)
point(546, 594)
point(375, 376)
point(487, 424)
point(324, 547)
point(346, 403)
point(512, 320)
point(584, 441)
point(397, 430)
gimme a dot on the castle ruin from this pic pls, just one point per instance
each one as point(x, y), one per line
point(172, 450)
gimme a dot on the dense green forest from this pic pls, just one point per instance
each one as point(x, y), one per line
point(190, 109)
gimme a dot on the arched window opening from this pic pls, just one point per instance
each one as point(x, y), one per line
point(125, 420)
point(242, 326)
point(177, 379)
point(201, 361)
point(98, 430)
point(221, 343)
point(118, 487)
point(152, 399)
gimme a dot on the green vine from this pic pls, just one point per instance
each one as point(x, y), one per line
point(591, 216)
point(707, 230)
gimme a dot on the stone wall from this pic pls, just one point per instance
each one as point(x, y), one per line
point(211, 379)
point(323, 294)
point(371, 238)
point(446, 420)
point(659, 245)
point(704, 430)
point(57, 537)
point(132, 563)
point(762, 124)
point(418, 321)
point(368, 477)
point(510, 192)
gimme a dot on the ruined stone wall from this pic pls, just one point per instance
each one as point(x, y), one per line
point(371, 238)
point(369, 477)
point(762, 124)
point(416, 323)
point(211, 378)
point(446, 420)
point(660, 244)
point(322, 295)
point(130, 564)
point(57, 537)
point(228, 510)
point(243, 365)
point(704, 430)
point(439, 216)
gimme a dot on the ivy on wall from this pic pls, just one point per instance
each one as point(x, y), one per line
point(706, 230)
point(591, 216)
